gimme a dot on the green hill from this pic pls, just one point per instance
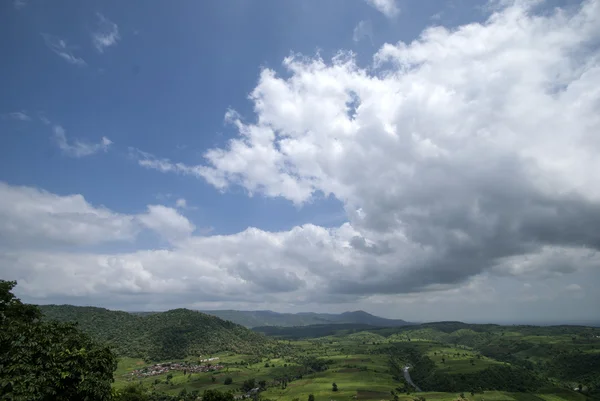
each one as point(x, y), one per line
point(174, 334)
point(253, 319)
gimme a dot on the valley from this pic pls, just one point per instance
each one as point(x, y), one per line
point(431, 361)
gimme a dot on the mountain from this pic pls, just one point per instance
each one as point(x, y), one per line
point(252, 319)
point(174, 334)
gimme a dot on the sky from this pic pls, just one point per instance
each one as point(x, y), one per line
point(430, 160)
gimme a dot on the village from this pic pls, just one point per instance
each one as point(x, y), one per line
point(185, 367)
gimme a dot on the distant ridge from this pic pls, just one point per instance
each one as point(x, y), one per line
point(262, 318)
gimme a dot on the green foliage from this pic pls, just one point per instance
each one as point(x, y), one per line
point(136, 392)
point(48, 361)
point(133, 392)
point(214, 395)
point(267, 318)
point(175, 334)
point(228, 381)
point(311, 397)
point(312, 331)
point(248, 385)
point(424, 372)
point(313, 364)
point(334, 387)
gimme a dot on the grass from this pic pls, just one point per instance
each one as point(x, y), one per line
point(359, 366)
point(467, 361)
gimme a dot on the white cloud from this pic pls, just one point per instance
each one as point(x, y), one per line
point(150, 161)
point(363, 29)
point(107, 34)
point(167, 222)
point(389, 8)
point(181, 203)
point(78, 148)
point(465, 162)
point(35, 218)
point(29, 216)
point(60, 47)
point(464, 151)
point(292, 268)
point(18, 115)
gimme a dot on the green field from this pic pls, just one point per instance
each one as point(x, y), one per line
point(445, 360)
point(359, 364)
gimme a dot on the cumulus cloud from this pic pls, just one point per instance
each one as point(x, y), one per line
point(79, 148)
point(32, 217)
point(461, 158)
point(295, 267)
point(389, 8)
point(167, 222)
point(106, 35)
point(464, 151)
point(63, 49)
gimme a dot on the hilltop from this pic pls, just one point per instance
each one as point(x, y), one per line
point(159, 336)
point(253, 319)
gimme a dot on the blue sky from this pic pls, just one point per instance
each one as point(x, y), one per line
point(164, 87)
point(181, 125)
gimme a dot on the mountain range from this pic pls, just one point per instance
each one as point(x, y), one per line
point(253, 319)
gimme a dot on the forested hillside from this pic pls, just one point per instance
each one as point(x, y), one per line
point(159, 336)
point(253, 319)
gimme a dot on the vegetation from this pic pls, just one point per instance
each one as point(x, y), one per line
point(252, 319)
point(160, 336)
point(444, 361)
point(48, 361)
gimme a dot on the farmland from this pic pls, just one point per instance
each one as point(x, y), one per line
point(476, 364)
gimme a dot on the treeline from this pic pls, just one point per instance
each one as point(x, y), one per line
point(136, 392)
point(313, 331)
point(161, 336)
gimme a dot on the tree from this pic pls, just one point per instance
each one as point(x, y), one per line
point(214, 395)
point(133, 392)
point(262, 384)
point(228, 381)
point(311, 397)
point(248, 385)
point(169, 377)
point(334, 387)
point(43, 361)
point(443, 360)
point(213, 379)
